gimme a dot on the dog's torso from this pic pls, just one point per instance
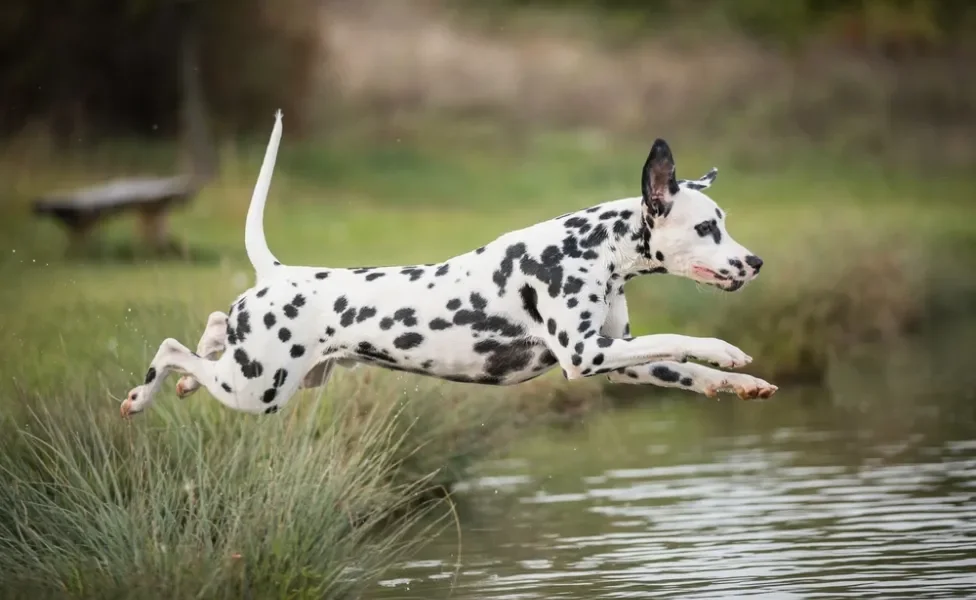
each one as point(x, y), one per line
point(446, 320)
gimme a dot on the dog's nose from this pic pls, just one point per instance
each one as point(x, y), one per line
point(755, 262)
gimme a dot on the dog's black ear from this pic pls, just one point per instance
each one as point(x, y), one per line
point(658, 182)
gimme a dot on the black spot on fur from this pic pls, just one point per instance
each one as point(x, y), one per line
point(340, 304)
point(480, 321)
point(321, 274)
point(453, 304)
point(150, 375)
point(659, 255)
point(366, 312)
point(608, 215)
point(505, 267)
point(386, 323)
point(369, 351)
point(548, 269)
point(577, 360)
point(374, 276)
point(251, 369)
point(573, 285)
point(284, 334)
point(563, 339)
point(478, 301)
point(530, 302)
point(226, 388)
point(413, 272)
point(594, 299)
point(262, 292)
point(271, 410)
point(666, 374)
point(442, 270)
point(407, 316)
point(596, 237)
point(578, 348)
point(329, 331)
point(551, 326)
point(572, 303)
point(269, 395)
point(479, 250)
point(687, 382)
point(598, 359)
point(297, 351)
point(348, 317)
point(269, 320)
point(279, 377)
point(604, 342)
point(709, 228)
point(576, 222)
point(439, 324)
point(408, 340)
point(583, 326)
point(290, 311)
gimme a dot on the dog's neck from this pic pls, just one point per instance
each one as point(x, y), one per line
point(632, 253)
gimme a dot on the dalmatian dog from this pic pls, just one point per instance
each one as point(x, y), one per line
point(551, 294)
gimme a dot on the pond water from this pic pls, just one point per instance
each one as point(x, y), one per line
point(684, 497)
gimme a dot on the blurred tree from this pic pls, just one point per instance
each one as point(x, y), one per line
point(113, 65)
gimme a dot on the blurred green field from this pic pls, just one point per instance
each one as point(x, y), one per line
point(852, 257)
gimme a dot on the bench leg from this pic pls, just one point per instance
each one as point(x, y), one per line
point(154, 231)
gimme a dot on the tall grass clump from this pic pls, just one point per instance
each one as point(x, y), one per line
point(314, 502)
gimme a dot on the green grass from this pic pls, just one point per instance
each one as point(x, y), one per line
point(90, 502)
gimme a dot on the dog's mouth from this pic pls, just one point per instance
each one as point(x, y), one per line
point(722, 282)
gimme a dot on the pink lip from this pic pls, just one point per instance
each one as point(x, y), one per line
point(706, 272)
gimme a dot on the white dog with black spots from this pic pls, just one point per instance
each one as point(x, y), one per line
point(507, 312)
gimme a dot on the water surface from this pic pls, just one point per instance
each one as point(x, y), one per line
point(691, 498)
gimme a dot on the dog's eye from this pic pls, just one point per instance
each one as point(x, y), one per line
point(706, 227)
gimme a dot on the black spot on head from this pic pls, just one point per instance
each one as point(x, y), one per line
point(269, 320)
point(594, 299)
point(659, 255)
point(375, 276)
point(530, 302)
point(631, 374)
point(604, 342)
point(598, 359)
point(440, 324)
point(577, 360)
point(735, 262)
point(340, 304)
point(709, 228)
point(297, 351)
point(150, 375)
point(284, 334)
point(408, 340)
point(262, 292)
point(666, 374)
point(578, 348)
point(687, 381)
point(718, 213)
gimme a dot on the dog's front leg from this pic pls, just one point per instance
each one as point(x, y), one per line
point(171, 356)
point(580, 356)
point(211, 344)
point(695, 378)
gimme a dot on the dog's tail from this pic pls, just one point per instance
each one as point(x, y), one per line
point(254, 242)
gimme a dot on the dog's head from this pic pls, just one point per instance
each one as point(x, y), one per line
point(687, 228)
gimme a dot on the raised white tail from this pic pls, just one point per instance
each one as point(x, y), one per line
point(254, 242)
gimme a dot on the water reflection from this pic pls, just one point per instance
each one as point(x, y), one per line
point(693, 499)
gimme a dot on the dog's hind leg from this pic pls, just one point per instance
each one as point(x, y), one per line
point(695, 378)
point(171, 356)
point(211, 344)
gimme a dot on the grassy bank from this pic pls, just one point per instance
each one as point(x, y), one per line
point(289, 502)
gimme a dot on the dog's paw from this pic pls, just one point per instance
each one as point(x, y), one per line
point(186, 386)
point(719, 353)
point(744, 386)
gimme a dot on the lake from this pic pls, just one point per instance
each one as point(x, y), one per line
point(806, 495)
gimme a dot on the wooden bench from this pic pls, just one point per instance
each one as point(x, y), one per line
point(79, 211)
